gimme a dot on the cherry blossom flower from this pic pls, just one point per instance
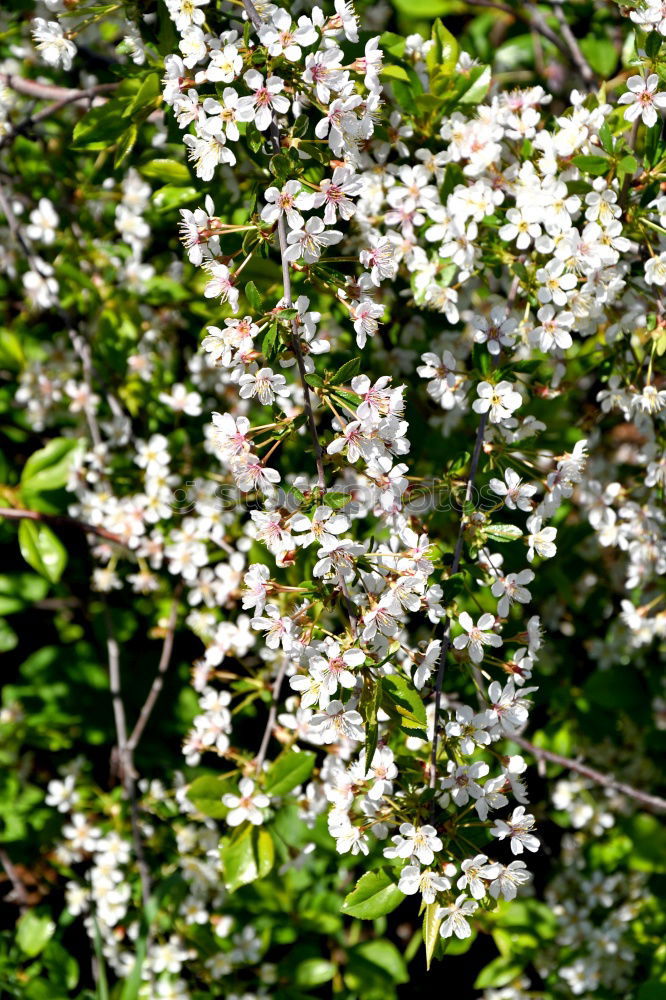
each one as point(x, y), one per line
point(267, 99)
point(643, 100)
point(499, 401)
point(247, 805)
point(453, 917)
point(477, 636)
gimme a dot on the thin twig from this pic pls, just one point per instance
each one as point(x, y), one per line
point(60, 520)
point(51, 91)
point(274, 133)
point(577, 57)
point(653, 802)
point(272, 715)
point(19, 891)
point(446, 638)
point(122, 758)
point(158, 683)
point(532, 17)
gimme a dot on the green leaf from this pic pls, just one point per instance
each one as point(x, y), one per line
point(206, 794)
point(8, 637)
point(442, 56)
point(253, 297)
point(289, 770)
point(133, 983)
point(169, 197)
point(385, 956)
point(595, 165)
point(499, 972)
point(42, 550)
point(627, 165)
point(314, 380)
point(374, 895)
point(125, 145)
point(405, 702)
point(247, 857)
point(393, 72)
point(368, 706)
point(503, 532)
point(33, 932)
point(167, 171)
point(48, 468)
point(271, 343)
point(100, 127)
point(347, 372)
point(652, 990)
point(431, 925)
point(601, 54)
point(313, 972)
point(336, 501)
point(653, 44)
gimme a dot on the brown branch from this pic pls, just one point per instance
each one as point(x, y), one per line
point(571, 42)
point(19, 893)
point(272, 715)
point(652, 802)
point(274, 133)
point(51, 91)
point(457, 554)
point(60, 520)
point(533, 17)
point(158, 683)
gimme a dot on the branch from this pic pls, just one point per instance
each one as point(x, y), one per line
point(272, 714)
point(274, 133)
point(51, 91)
point(653, 802)
point(446, 638)
point(60, 520)
point(158, 683)
point(122, 758)
point(533, 17)
point(571, 41)
point(19, 893)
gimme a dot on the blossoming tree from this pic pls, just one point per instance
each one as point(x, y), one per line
point(333, 420)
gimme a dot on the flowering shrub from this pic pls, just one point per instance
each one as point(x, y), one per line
point(326, 522)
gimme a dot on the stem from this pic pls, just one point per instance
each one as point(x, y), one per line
point(272, 715)
point(274, 133)
point(59, 519)
point(446, 638)
point(158, 683)
point(653, 802)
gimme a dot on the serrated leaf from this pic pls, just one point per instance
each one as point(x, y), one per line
point(368, 707)
point(314, 380)
point(404, 701)
point(503, 532)
point(33, 932)
point(271, 342)
point(289, 770)
point(595, 165)
point(374, 895)
point(431, 925)
point(350, 369)
point(167, 171)
point(253, 297)
point(205, 793)
point(48, 468)
point(125, 145)
point(42, 550)
point(247, 857)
